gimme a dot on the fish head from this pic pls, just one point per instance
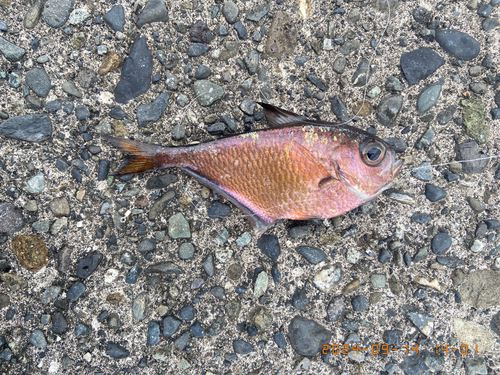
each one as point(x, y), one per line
point(367, 165)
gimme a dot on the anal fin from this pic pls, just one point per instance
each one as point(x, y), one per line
point(259, 224)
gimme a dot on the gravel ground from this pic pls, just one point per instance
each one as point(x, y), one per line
point(156, 274)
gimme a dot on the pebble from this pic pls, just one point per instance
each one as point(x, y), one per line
point(218, 210)
point(31, 252)
point(182, 341)
point(363, 73)
point(207, 92)
point(140, 306)
point(477, 246)
point(434, 193)
point(261, 284)
point(389, 109)
point(269, 246)
point(476, 205)
point(59, 323)
point(421, 217)
point(186, 251)
point(473, 116)
point(164, 268)
point(116, 351)
point(178, 227)
point(33, 14)
point(208, 265)
point(242, 347)
point(244, 239)
point(50, 294)
point(420, 64)
point(423, 172)
point(147, 245)
point(115, 18)
point(57, 12)
point(446, 115)
point(339, 109)
point(230, 11)
point(136, 73)
point(60, 207)
point(470, 151)
point(197, 49)
point(133, 275)
point(312, 254)
point(307, 337)
point(31, 128)
point(426, 139)
point(299, 299)
point(458, 44)
point(82, 330)
point(79, 15)
point(203, 72)
point(88, 264)
point(490, 23)
point(11, 219)
point(11, 52)
point(280, 340)
point(154, 11)
point(360, 303)
point(328, 278)
point(39, 81)
point(428, 97)
point(424, 323)
point(378, 280)
point(160, 204)
point(170, 326)
point(218, 292)
point(70, 88)
point(152, 112)
point(75, 291)
point(384, 255)
point(336, 308)
point(257, 12)
point(153, 337)
point(318, 82)
point(187, 312)
point(216, 129)
point(475, 366)
point(37, 339)
point(241, 30)
point(197, 330)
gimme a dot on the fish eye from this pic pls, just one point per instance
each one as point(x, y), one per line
point(372, 152)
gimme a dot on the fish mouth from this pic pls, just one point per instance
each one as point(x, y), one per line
point(397, 167)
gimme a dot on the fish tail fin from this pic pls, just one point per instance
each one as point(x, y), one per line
point(140, 157)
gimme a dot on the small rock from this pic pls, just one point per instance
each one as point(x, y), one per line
point(458, 44)
point(30, 251)
point(312, 254)
point(207, 92)
point(307, 337)
point(57, 12)
point(116, 351)
point(420, 64)
point(154, 11)
point(115, 18)
point(178, 227)
point(434, 193)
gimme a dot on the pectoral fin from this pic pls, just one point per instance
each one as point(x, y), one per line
point(311, 169)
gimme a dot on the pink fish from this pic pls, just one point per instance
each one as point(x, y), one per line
point(299, 169)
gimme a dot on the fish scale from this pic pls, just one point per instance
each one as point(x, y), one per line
point(300, 169)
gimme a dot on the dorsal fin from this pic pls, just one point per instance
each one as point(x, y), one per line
point(279, 118)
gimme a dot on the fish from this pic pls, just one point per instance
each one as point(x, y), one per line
point(297, 169)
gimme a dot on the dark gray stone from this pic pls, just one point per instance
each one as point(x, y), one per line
point(420, 64)
point(56, 12)
point(154, 11)
point(470, 151)
point(136, 73)
point(170, 325)
point(318, 82)
point(31, 128)
point(389, 109)
point(218, 210)
point(440, 243)
point(153, 111)
point(458, 44)
point(115, 18)
point(360, 303)
point(88, 264)
point(75, 291)
point(116, 351)
point(59, 323)
point(38, 80)
point(312, 254)
point(242, 347)
point(269, 245)
point(307, 337)
point(434, 193)
point(11, 219)
point(197, 49)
